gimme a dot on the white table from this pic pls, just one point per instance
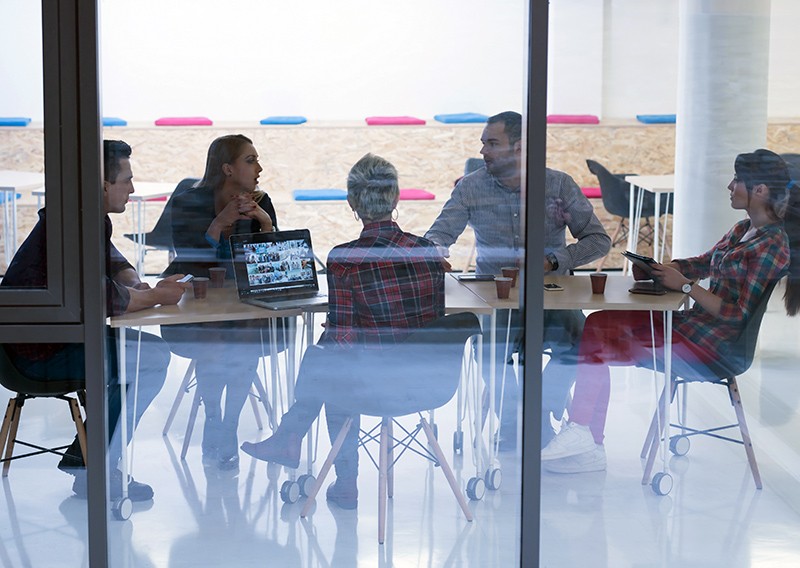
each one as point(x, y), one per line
point(577, 295)
point(11, 183)
point(145, 191)
point(656, 185)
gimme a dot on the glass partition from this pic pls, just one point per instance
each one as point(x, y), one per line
point(344, 161)
point(657, 111)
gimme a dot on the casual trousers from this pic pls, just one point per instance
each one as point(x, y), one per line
point(226, 355)
point(621, 338)
point(70, 363)
point(323, 379)
point(562, 332)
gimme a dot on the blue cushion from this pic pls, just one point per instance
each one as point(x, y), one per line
point(461, 117)
point(14, 121)
point(319, 194)
point(3, 196)
point(656, 118)
point(283, 120)
point(114, 121)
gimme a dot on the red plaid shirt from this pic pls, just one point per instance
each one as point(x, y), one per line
point(739, 272)
point(382, 285)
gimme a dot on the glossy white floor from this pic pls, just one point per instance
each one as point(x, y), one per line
point(713, 517)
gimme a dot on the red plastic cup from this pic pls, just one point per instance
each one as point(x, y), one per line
point(598, 282)
point(511, 272)
point(200, 287)
point(503, 284)
point(217, 275)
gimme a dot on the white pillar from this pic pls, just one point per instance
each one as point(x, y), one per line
point(723, 57)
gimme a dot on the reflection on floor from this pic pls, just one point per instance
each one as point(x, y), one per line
point(202, 517)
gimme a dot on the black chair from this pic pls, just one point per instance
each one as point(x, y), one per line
point(160, 237)
point(793, 161)
point(722, 372)
point(616, 199)
point(423, 373)
point(26, 389)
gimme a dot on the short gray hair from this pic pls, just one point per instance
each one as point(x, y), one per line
point(372, 188)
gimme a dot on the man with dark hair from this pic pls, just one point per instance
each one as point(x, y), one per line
point(488, 199)
point(125, 292)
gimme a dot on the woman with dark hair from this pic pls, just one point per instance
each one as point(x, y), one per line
point(752, 255)
point(225, 202)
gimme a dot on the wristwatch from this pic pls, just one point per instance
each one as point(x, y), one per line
point(551, 258)
point(687, 288)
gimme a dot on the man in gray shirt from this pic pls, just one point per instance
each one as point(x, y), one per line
point(489, 201)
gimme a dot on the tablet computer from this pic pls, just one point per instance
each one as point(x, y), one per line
point(645, 263)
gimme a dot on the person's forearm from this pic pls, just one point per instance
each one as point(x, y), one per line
point(709, 301)
point(127, 277)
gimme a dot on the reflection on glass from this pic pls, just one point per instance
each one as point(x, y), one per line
point(21, 140)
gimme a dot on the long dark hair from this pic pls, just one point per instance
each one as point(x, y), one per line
point(768, 168)
point(224, 150)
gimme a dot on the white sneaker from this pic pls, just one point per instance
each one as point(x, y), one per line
point(573, 439)
point(593, 460)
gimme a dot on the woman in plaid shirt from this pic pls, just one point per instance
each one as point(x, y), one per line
point(753, 254)
point(380, 287)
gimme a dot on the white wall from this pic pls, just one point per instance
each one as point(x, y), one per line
point(246, 59)
point(575, 57)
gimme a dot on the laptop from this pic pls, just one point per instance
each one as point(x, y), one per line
point(276, 270)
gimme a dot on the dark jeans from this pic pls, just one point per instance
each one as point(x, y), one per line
point(226, 355)
point(324, 379)
point(70, 363)
point(562, 332)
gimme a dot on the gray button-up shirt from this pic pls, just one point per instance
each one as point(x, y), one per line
point(493, 212)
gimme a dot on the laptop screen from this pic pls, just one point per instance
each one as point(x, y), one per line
point(281, 263)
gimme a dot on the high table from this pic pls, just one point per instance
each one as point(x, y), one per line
point(222, 304)
point(11, 183)
point(656, 185)
point(577, 295)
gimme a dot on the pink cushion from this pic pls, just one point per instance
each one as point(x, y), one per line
point(184, 121)
point(572, 119)
point(415, 194)
point(592, 192)
point(385, 120)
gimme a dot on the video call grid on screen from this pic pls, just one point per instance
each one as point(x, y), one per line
point(277, 265)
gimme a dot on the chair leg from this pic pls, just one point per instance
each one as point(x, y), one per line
point(80, 428)
point(383, 459)
point(448, 473)
point(656, 435)
point(7, 423)
point(252, 395)
point(13, 425)
point(262, 395)
point(736, 399)
point(653, 431)
point(182, 390)
point(190, 424)
point(326, 467)
point(390, 460)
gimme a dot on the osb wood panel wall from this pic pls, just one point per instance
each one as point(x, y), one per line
point(312, 156)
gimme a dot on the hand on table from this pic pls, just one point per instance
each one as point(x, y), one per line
point(169, 291)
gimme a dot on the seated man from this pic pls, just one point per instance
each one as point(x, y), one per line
point(488, 199)
point(380, 287)
point(125, 292)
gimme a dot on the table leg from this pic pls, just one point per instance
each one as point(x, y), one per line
point(626, 266)
point(123, 413)
point(656, 247)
